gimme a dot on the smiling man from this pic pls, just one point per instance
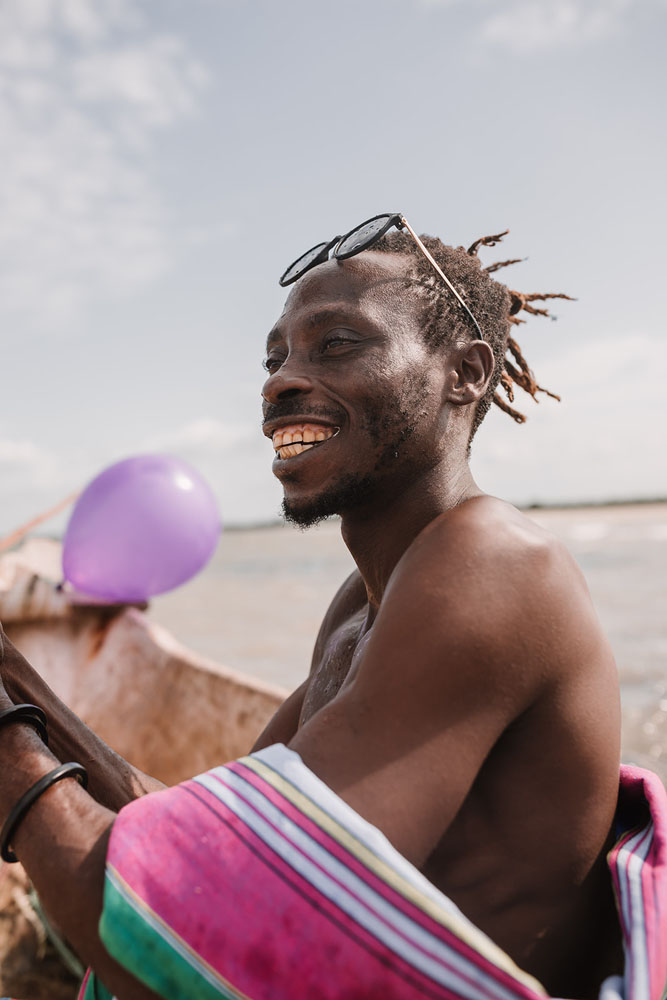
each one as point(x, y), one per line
point(429, 814)
point(462, 696)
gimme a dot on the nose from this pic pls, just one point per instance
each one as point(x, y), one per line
point(285, 384)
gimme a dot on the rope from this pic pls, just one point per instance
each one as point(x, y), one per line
point(65, 953)
point(15, 536)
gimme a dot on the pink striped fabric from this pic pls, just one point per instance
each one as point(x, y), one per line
point(638, 865)
point(254, 880)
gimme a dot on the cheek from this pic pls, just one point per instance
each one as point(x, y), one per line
point(401, 371)
point(400, 408)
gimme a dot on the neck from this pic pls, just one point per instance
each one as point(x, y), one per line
point(379, 533)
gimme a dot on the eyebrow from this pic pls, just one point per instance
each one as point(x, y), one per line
point(316, 319)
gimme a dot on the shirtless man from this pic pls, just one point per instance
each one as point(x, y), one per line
point(462, 697)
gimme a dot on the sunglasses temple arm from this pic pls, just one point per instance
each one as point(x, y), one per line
point(442, 274)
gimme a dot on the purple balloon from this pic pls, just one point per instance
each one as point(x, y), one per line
point(143, 526)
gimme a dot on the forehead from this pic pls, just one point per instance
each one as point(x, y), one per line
point(369, 288)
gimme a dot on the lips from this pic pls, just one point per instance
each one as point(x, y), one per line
point(291, 440)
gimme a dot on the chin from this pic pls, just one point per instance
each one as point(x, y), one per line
point(347, 494)
point(305, 513)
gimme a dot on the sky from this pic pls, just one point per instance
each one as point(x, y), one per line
point(162, 163)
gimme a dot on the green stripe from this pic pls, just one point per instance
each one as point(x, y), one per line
point(130, 935)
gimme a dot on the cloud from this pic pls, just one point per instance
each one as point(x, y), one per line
point(156, 80)
point(85, 87)
point(530, 25)
point(36, 477)
point(603, 441)
point(205, 434)
point(24, 464)
point(525, 26)
point(234, 458)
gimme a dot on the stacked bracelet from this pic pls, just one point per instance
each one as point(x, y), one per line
point(31, 714)
point(19, 811)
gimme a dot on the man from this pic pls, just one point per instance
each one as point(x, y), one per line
point(462, 698)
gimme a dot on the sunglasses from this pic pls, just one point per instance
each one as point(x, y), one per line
point(361, 238)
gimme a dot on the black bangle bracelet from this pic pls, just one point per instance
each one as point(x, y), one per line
point(28, 799)
point(31, 714)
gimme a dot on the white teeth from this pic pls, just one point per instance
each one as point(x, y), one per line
point(302, 433)
point(290, 450)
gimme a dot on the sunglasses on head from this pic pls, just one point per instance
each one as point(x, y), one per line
point(361, 238)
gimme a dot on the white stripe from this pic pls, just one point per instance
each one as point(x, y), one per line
point(622, 860)
point(630, 861)
point(278, 841)
point(289, 766)
point(352, 882)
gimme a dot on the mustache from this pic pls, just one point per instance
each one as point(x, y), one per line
point(287, 408)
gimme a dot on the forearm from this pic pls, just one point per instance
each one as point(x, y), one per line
point(113, 782)
point(62, 842)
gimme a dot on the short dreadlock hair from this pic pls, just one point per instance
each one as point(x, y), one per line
point(493, 304)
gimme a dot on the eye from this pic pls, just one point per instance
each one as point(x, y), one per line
point(337, 338)
point(271, 364)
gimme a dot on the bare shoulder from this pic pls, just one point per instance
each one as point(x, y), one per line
point(485, 559)
point(490, 587)
point(487, 535)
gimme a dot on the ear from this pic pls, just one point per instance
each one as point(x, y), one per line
point(470, 368)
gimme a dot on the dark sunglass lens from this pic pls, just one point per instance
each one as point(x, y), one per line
point(359, 238)
point(296, 269)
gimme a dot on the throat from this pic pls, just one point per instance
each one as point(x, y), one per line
point(377, 536)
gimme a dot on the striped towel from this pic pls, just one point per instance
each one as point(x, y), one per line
point(255, 881)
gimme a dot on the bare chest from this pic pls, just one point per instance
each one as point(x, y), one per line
point(335, 665)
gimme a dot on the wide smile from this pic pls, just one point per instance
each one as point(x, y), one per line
point(294, 439)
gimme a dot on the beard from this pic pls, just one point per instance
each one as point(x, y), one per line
point(389, 429)
point(349, 492)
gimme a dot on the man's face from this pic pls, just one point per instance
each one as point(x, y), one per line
point(353, 398)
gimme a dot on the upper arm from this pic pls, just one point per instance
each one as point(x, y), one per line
point(442, 675)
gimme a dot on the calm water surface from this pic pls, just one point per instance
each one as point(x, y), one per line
point(259, 603)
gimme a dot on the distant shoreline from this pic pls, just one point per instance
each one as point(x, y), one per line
point(564, 505)
point(536, 505)
point(572, 504)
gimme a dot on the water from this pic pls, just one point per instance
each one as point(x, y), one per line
point(259, 603)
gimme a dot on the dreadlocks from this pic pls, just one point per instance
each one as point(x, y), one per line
point(494, 305)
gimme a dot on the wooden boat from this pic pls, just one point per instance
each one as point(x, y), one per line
point(169, 711)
